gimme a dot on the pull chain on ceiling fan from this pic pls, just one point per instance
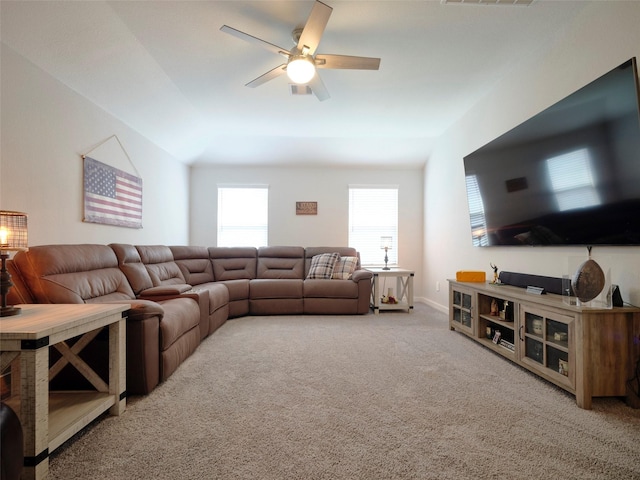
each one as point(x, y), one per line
point(301, 62)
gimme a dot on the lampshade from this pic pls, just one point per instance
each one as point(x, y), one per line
point(13, 237)
point(301, 69)
point(385, 242)
point(13, 230)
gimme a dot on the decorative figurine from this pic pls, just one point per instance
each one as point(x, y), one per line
point(495, 273)
point(494, 307)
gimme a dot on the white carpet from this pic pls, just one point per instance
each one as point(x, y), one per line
point(390, 396)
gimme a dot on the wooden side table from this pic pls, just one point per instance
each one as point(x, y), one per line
point(50, 418)
point(403, 292)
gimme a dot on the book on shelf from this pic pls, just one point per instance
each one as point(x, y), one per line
point(508, 345)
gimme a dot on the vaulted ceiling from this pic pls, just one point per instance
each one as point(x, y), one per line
point(165, 69)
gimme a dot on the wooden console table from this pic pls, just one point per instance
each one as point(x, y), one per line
point(403, 289)
point(50, 418)
point(588, 352)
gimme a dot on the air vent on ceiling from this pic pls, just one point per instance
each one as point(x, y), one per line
point(524, 3)
point(300, 89)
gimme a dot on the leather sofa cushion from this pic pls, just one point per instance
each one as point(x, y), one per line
point(238, 289)
point(218, 294)
point(272, 288)
point(280, 262)
point(233, 263)
point(180, 316)
point(73, 274)
point(131, 265)
point(330, 289)
point(19, 293)
point(158, 260)
point(194, 263)
point(178, 352)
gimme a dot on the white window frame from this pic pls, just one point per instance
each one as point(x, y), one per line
point(373, 213)
point(243, 215)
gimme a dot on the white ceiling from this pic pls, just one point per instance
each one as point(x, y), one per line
point(165, 69)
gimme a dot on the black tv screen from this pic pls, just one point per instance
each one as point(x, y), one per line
point(570, 175)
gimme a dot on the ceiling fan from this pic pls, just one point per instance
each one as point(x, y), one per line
point(301, 62)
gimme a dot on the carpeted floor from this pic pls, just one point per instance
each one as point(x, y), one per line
point(392, 396)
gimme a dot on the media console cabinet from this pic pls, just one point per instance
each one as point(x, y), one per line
point(588, 352)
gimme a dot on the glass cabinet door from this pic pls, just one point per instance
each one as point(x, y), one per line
point(545, 344)
point(461, 309)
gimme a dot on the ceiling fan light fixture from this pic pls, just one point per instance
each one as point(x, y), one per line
point(300, 69)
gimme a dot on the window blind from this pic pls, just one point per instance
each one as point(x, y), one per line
point(476, 212)
point(373, 213)
point(243, 214)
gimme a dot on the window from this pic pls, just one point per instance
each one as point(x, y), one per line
point(572, 181)
point(373, 213)
point(476, 213)
point(243, 216)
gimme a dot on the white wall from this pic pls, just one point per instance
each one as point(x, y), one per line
point(45, 128)
point(602, 37)
point(327, 186)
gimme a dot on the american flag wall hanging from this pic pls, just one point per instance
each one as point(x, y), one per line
point(111, 196)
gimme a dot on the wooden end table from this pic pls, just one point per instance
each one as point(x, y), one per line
point(403, 289)
point(50, 418)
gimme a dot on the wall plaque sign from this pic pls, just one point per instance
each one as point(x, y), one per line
point(306, 208)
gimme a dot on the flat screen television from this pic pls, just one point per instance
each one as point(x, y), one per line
point(570, 175)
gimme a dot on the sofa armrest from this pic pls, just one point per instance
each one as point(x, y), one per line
point(361, 274)
point(143, 345)
point(166, 290)
point(169, 292)
point(141, 309)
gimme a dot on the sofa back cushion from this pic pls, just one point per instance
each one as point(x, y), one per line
point(194, 263)
point(159, 262)
point(131, 265)
point(19, 293)
point(311, 252)
point(233, 263)
point(280, 262)
point(84, 273)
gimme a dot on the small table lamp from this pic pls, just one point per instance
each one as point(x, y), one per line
point(385, 243)
point(13, 237)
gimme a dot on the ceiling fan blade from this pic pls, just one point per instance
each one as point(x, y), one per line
point(318, 88)
point(314, 28)
point(270, 75)
point(347, 62)
point(254, 40)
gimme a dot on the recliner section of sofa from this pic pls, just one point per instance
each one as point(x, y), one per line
point(181, 294)
point(277, 288)
point(197, 271)
point(338, 296)
point(160, 334)
point(235, 267)
point(154, 275)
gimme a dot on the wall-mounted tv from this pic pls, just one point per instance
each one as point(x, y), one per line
point(570, 175)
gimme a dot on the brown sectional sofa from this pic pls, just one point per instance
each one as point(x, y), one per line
point(181, 294)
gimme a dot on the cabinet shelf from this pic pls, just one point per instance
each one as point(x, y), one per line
point(588, 352)
point(498, 321)
point(500, 349)
point(562, 346)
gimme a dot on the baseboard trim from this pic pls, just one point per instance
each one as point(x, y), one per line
point(441, 308)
